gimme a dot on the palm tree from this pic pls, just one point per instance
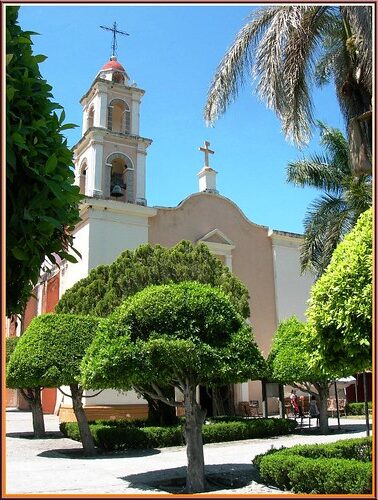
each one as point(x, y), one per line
point(287, 48)
point(335, 213)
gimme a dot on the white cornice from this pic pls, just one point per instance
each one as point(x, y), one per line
point(115, 207)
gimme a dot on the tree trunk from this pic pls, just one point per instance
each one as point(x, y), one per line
point(323, 412)
point(194, 418)
point(85, 433)
point(34, 398)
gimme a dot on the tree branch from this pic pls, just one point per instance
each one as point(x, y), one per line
point(162, 398)
point(94, 395)
point(64, 394)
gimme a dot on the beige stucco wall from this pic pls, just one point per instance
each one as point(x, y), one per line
point(252, 258)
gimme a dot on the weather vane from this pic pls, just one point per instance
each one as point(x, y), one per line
point(115, 31)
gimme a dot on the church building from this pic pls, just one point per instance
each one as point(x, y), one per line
point(111, 168)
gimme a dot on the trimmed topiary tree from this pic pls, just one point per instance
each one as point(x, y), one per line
point(289, 362)
point(107, 286)
point(181, 336)
point(42, 201)
point(49, 354)
point(340, 310)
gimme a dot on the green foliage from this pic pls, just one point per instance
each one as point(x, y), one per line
point(106, 287)
point(290, 355)
point(116, 435)
point(42, 202)
point(345, 198)
point(340, 311)
point(10, 345)
point(340, 467)
point(247, 429)
point(167, 333)
point(357, 408)
point(49, 353)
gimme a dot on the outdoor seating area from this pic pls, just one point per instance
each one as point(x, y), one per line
point(332, 407)
point(249, 409)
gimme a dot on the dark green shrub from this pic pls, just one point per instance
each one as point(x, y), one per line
point(246, 429)
point(357, 408)
point(341, 467)
point(274, 469)
point(330, 475)
point(123, 434)
point(70, 429)
point(125, 437)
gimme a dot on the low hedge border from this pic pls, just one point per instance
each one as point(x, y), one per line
point(121, 435)
point(341, 467)
point(357, 408)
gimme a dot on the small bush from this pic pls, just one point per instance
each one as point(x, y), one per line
point(70, 429)
point(331, 475)
point(357, 408)
point(118, 435)
point(341, 467)
point(246, 429)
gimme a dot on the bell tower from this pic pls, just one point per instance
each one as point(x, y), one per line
point(110, 168)
point(110, 158)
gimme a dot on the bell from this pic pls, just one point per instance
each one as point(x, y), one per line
point(116, 191)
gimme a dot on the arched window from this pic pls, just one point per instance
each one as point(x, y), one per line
point(119, 116)
point(120, 172)
point(83, 177)
point(90, 118)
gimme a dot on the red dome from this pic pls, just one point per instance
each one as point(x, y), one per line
point(114, 64)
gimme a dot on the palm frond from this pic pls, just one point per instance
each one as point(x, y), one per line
point(230, 72)
point(336, 145)
point(325, 223)
point(316, 171)
point(303, 40)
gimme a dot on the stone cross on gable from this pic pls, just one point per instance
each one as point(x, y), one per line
point(207, 151)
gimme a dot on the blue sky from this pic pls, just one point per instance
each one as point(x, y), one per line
point(172, 53)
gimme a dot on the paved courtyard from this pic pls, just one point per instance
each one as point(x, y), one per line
point(55, 465)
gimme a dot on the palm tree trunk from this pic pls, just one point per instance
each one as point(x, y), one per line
point(194, 418)
point(85, 433)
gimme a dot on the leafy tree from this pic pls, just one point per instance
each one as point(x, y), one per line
point(49, 354)
point(335, 213)
point(10, 345)
point(178, 335)
point(340, 306)
point(289, 362)
point(287, 48)
point(107, 286)
point(42, 202)
point(32, 395)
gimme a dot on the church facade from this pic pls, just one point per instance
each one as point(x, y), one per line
point(110, 168)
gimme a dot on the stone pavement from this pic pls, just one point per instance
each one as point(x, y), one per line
point(55, 465)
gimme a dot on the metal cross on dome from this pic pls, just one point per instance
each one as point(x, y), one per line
point(207, 151)
point(114, 30)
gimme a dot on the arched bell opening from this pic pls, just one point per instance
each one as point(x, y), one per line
point(90, 118)
point(83, 181)
point(119, 116)
point(118, 77)
point(121, 177)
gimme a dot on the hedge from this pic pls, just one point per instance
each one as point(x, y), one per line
point(341, 467)
point(119, 435)
point(357, 408)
